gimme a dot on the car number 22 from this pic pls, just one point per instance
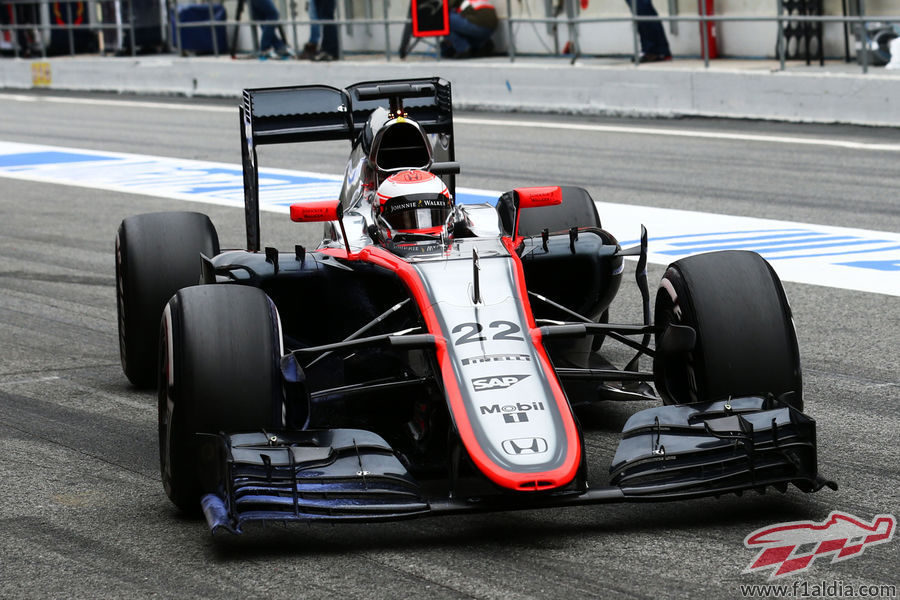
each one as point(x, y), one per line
point(507, 331)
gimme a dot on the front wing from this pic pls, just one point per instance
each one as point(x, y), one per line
point(667, 453)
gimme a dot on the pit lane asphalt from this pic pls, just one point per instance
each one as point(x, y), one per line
point(82, 512)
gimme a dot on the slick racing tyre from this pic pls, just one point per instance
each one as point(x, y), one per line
point(745, 339)
point(156, 255)
point(577, 210)
point(220, 348)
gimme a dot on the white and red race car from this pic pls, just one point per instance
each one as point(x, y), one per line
point(428, 357)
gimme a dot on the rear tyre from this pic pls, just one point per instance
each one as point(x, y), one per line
point(219, 347)
point(156, 255)
point(746, 344)
point(577, 210)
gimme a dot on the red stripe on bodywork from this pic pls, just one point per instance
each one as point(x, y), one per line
point(556, 478)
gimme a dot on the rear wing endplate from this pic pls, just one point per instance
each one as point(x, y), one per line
point(319, 113)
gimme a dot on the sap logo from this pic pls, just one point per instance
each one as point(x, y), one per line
point(525, 446)
point(493, 383)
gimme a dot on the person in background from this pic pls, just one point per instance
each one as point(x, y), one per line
point(654, 45)
point(271, 45)
point(315, 33)
point(325, 11)
point(472, 23)
point(25, 39)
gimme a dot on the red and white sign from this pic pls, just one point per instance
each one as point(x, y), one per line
point(791, 548)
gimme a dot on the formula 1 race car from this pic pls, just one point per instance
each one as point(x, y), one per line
point(428, 356)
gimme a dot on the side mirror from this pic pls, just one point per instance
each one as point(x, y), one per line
point(316, 211)
point(321, 210)
point(445, 168)
point(534, 197)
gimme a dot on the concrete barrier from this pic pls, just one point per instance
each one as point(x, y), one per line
point(681, 88)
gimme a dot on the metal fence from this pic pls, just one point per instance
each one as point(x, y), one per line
point(858, 23)
point(67, 21)
point(172, 30)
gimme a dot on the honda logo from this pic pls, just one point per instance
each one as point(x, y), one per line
point(525, 446)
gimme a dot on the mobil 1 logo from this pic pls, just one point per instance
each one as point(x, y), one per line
point(513, 413)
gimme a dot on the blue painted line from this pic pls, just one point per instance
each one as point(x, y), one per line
point(759, 238)
point(776, 247)
point(842, 244)
point(878, 265)
point(267, 182)
point(289, 180)
point(32, 159)
point(471, 198)
point(842, 253)
point(218, 189)
point(695, 235)
point(773, 248)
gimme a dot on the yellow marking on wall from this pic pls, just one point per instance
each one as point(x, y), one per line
point(40, 74)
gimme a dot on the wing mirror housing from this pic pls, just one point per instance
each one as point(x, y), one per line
point(317, 211)
point(533, 197)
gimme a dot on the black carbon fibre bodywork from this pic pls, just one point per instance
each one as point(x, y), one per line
point(668, 453)
point(703, 449)
point(591, 260)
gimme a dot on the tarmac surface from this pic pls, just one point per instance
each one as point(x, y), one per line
point(82, 510)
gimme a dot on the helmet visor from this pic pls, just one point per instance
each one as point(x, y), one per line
point(416, 211)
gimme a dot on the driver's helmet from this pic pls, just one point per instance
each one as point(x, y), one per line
point(413, 202)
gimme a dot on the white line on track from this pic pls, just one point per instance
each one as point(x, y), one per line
point(127, 103)
point(658, 131)
point(33, 380)
point(689, 133)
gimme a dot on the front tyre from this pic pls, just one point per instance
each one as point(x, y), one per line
point(746, 344)
point(219, 348)
point(156, 255)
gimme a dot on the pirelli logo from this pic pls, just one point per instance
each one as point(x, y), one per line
point(492, 358)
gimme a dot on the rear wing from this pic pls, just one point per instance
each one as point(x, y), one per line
point(319, 112)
